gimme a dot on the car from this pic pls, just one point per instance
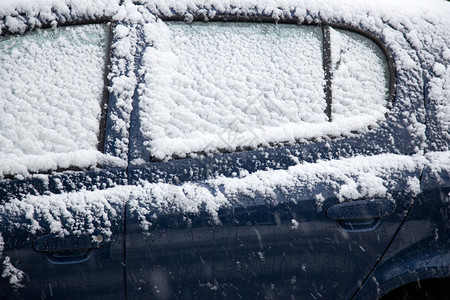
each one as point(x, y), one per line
point(233, 150)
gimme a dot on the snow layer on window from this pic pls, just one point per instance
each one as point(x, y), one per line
point(360, 77)
point(236, 85)
point(50, 95)
point(228, 85)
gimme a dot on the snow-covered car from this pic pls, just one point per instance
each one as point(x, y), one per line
point(227, 149)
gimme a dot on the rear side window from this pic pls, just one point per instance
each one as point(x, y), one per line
point(51, 89)
point(360, 78)
point(227, 86)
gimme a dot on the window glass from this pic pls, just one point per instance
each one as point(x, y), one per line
point(226, 86)
point(360, 77)
point(51, 88)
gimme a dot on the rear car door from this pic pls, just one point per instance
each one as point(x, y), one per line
point(300, 186)
point(60, 237)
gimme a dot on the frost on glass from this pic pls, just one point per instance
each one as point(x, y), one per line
point(51, 88)
point(228, 85)
point(360, 78)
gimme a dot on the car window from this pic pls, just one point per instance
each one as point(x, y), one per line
point(229, 86)
point(360, 77)
point(51, 90)
point(218, 85)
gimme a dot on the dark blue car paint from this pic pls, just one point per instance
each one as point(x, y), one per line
point(421, 249)
point(256, 252)
point(188, 256)
point(87, 271)
point(52, 271)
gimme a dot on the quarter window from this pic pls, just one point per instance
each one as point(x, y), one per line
point(360, 78)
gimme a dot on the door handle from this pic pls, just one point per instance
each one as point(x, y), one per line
point(361, 215)
point(69, 249)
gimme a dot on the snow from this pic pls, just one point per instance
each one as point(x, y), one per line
point(13, 274)
point(39, 12)
point(204, 82)
point(440, 93)
point(360, 77)
point(319, 201)
point(180, 120)
point(349, 179)
point(71, 213)
point(38, 133)
point(400, 24)
point(354, 178)
point(295, 224)
point(2, 244)
point(51, 89)
point(262, 99)
point(439, 164)
point(226, 86)
point(123, 84)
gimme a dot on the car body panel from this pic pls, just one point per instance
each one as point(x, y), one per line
point(58, 274)
point(258, 249)
point(421, 249)
point(244, 243)
point(55, 249)
point(185, 255)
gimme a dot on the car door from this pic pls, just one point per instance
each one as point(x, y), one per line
point(58, 249)
point(59, 237)
point(247, 210)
